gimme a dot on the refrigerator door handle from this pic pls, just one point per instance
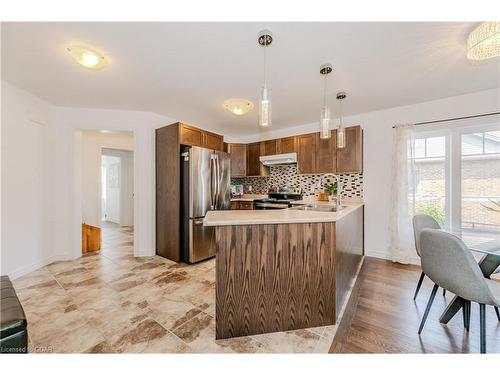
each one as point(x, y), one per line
point(212, 187)
point(217, 179)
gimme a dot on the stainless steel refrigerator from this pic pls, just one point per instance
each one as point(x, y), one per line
point(205, 186)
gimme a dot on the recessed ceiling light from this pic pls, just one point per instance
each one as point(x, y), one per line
point(238, 106)
point(87, 57)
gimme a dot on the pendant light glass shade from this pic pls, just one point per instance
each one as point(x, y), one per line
point(324, 119)
point(484, 42)
point(341, 132)
point(264, 108)
point(341, 138)
point(265, 38)
point(324, 123)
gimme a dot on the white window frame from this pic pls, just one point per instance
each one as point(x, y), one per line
point(453, 166)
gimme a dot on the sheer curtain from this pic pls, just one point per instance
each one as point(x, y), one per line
point(402, 245)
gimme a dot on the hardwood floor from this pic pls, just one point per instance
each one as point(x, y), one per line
point(386, 318)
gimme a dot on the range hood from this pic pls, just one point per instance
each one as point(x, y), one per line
point(279, 159)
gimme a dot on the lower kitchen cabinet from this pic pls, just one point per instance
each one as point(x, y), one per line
point(241, 205)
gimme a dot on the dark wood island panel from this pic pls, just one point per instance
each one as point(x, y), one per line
point(279, 277)
point(274, 278)
point(349, 251)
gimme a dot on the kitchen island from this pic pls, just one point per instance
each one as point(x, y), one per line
point(283, 269)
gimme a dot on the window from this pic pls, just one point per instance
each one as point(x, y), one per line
point(429, 177)
point(456, 179)
point(480, 185)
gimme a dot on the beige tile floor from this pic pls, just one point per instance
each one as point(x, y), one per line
point(113, 302)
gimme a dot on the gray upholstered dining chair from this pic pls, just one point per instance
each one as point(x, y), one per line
point(421, 222)
point(448, 262)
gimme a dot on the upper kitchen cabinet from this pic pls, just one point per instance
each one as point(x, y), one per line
point(306, 153)
point(238, 156)
point(287, 145)
point(326, 153)
point(254, 166)
point(350, 158)
point(191, 136)
point(213, 141)
point(270, 147)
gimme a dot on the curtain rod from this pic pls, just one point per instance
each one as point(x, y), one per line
point(454, 119)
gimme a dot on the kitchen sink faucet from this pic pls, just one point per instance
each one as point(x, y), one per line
point(339, 186)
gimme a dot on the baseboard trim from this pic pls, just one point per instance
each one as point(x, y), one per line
point(385, 255)
point(21, 271)
point(24, 270)
point(145, 253)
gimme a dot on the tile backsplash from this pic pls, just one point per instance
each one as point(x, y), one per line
point(352, 183)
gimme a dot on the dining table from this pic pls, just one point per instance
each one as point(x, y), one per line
point(486, 249)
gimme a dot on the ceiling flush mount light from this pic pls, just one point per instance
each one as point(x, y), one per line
point(265, 39)
point(340, 132)
point(484, 42)
point(324, 120)
point(238, 106)
point(87, 57)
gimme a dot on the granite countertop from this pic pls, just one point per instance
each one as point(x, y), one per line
point(249, 197)
point(286, 216)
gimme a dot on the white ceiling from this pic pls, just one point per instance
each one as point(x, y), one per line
point(187, 70)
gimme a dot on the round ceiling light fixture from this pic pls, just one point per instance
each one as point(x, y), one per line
point(238, 107)
point(87, 57)
point(484, 42)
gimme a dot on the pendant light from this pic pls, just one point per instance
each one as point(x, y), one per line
point(265, 38)
point(341, 132)
point(324, 120)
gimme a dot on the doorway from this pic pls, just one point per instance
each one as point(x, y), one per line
point(117, 197)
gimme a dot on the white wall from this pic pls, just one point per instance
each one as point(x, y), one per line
point(42, 178)
point(70, 120)
point(25, 210)
point(92, 144)
point(377, 158)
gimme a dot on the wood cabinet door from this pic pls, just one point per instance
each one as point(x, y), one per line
point(270, 147)
point(287, 145)
point(91, 238)
point(306, 153)
point(238, 156)
point(244, 205)
point(190, 136)
point(212, 141)
point(235, 205)
point(350, 158)
point(253, 162)
point(326, 154)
